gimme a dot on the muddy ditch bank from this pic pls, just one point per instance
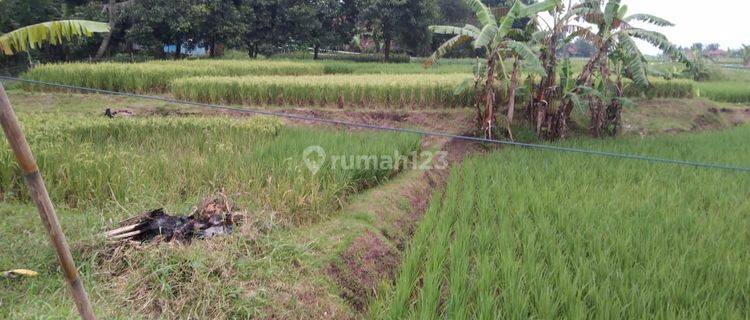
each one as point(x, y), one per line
point(375, 256)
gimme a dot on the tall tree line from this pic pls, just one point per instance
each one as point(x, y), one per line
point(258, 26)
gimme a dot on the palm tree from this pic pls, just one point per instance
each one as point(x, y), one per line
point(53, 32)
point(615, 46)
point(493, 37)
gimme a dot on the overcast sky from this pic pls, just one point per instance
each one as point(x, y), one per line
point(726, 22)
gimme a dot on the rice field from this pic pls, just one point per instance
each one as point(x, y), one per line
point(100, 171)
point(516, 234)
point(414, 91)
point(528, 234)
point(310, 83)
point(726, 91)
point(678, 89)
point(155, 76)
point(110, 163)
point(402, 91)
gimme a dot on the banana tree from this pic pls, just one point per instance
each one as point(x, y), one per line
point(53, 32)
point(614, 42)
point(550, 38)
point(493, 37)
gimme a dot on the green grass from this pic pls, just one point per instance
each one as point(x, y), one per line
point(531, 234)
point(397, 91)
point(656, 116)
point(727, 91)
point(736, 75)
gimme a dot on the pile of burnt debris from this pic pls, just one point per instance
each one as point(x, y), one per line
point(215, 216)
point(109, 113)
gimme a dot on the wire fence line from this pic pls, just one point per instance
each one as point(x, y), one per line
point(392, 129)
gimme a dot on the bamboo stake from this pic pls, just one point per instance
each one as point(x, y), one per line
point(43, 203)
point(122, 230)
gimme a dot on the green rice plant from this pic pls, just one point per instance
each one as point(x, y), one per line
point(678, 89)
point(100, 171)
point(99, 162)
point(732, 92)
point(395, 91)
point(154, 76)
point(535, 234)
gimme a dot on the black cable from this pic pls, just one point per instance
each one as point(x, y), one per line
point(384, 128)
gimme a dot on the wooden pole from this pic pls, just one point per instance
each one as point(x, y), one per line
point(43, 203)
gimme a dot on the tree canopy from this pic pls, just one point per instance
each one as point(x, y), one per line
point(259, 26)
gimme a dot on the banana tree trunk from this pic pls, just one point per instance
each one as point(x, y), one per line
point(537, 110)
point(558, 125)
point(614, 110)
point(512, 91)
point(597, 109)
point(489, 97)
point(588, 70)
